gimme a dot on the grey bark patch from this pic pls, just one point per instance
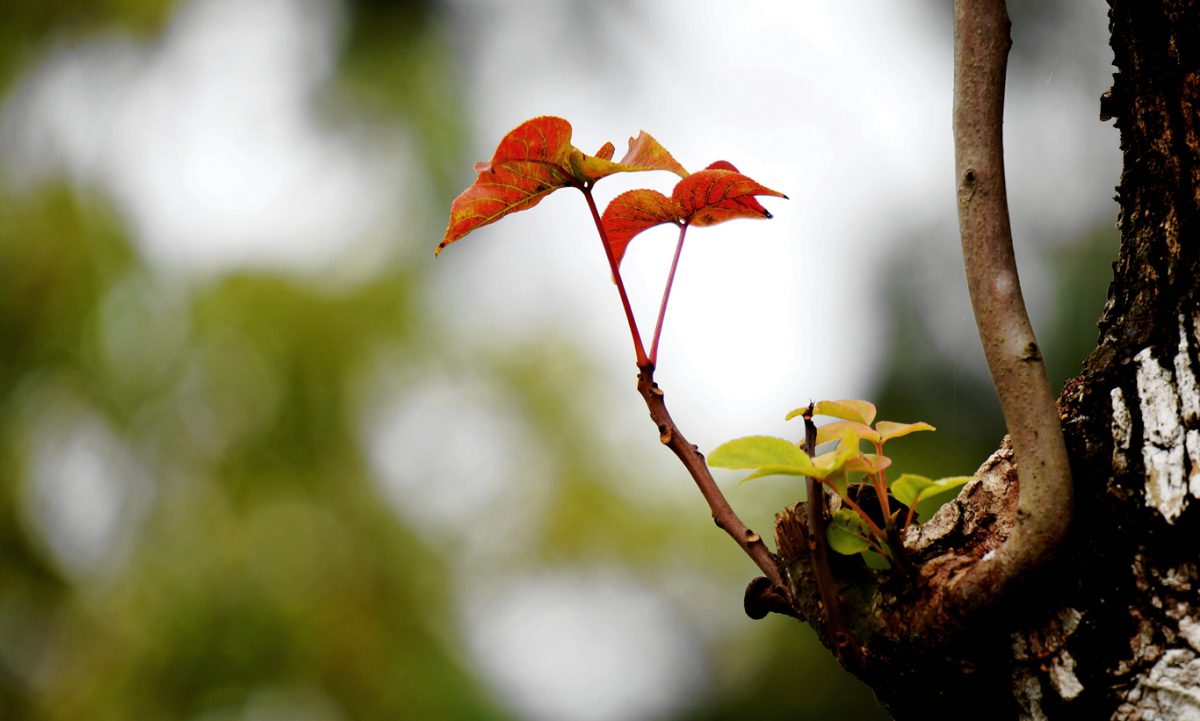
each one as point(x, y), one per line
point(1170, 691)
point(1163, 438)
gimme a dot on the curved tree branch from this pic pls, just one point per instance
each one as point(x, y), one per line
point(981, 43)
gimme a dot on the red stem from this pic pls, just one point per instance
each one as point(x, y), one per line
point(638, 348)
point(662, 308)
point(882, 488)
point(865, 516)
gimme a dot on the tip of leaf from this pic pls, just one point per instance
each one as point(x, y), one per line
point(798, 412)
point(767, 214)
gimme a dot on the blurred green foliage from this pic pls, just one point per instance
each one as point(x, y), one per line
point(267, 574)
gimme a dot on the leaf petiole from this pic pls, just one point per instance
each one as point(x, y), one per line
point(662, 308)
point(638, 348)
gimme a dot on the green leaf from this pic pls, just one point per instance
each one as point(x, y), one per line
point(907, 488)
point(889, 430)
point(833, 461)
point(848, 409)
point(760, 451)
point(837, 482)
point(931, 501)
point(776, 471)
point(876, 561)
point(926, 495)
point(848, 534)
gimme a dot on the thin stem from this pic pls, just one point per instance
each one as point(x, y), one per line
point(638, 348)
point(662, 308)
point(882, 489)
point(865, 516)
point(818, 547)
point(688, 454)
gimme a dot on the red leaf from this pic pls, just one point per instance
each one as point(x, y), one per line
point(535, 159)
point(530, 163)
point(632, 212)
point(713, 196)
point(606, 151)
point(749, 202)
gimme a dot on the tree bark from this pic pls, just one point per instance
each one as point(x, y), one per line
point(1110, 629)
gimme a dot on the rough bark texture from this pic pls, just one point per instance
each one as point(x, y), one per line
point(1111, 628)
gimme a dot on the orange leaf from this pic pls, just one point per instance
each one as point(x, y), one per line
point(632, 212)
point(645, 153)
point(530, 163)
point(535, 159)
point(749, 203)
point(713, 196)
point(606, 151)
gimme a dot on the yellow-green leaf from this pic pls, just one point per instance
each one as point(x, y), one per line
point(759, 452)
point(796, 412)
point(848, 409)
point(834, 431)
point(889, 430)
point(913, 490)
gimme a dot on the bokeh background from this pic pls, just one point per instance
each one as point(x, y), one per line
point(263, 458)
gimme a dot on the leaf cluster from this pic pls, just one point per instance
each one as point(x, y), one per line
point(537, 158)
point(871, 508)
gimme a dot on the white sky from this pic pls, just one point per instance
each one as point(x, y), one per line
point(208, 143)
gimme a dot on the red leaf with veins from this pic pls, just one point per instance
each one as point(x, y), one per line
point(711, 196)
point(529, 164)
point(632, 212)
point(606, 151)
point(535, 159)
point(715, 195)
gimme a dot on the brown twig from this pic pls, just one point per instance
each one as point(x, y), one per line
point(818, 546)
point(688, 454)
point(981, 43)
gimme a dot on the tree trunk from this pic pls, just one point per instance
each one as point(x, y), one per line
point(1110, 629)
